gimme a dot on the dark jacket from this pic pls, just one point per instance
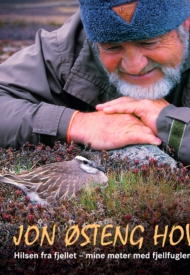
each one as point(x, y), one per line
point(42, 85)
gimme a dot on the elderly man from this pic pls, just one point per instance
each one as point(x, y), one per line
point(69, 87)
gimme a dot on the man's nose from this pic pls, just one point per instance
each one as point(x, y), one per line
point(133, 61)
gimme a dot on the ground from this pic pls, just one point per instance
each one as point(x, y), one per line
point(20, 20)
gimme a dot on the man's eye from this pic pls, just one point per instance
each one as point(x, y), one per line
point(109, 47)
point(112, 48)
point(149, 44)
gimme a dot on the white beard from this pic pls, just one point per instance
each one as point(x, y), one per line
point(159, 89)
point(155, 91)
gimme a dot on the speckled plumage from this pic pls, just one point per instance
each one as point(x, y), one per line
point(56, 181)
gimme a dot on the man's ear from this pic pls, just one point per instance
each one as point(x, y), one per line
point(186, 24)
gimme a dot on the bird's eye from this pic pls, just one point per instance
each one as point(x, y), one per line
point(85, 162)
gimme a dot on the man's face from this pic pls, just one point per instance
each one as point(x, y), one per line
point(144, 69)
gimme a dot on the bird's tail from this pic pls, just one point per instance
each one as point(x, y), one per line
point(14, 180)
point(5, 179)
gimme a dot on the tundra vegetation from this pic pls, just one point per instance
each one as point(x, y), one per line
point(144, 210)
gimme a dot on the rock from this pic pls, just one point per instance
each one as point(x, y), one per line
point(143, 153)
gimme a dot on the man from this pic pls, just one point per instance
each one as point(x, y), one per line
point(138, 49)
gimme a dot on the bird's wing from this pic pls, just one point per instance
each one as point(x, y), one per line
point(35, 178)
point(16, 181)
point(69, 186)
point(53, 182)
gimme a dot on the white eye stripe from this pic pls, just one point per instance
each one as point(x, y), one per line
point(82, 158)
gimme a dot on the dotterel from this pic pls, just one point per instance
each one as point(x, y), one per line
point(54, 182)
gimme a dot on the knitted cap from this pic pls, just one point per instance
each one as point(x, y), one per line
point(127, 20)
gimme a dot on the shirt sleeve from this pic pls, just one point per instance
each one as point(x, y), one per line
point(31, 106)
point(173, 126)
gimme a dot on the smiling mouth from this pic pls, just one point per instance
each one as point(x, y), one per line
point(144, 73)
point(140, 74)
point(142, 78)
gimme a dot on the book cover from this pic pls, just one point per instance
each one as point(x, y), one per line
point(138, 224)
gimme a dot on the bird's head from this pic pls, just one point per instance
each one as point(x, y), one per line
point(88, 166)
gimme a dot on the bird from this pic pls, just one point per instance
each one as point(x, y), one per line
point(55, 182)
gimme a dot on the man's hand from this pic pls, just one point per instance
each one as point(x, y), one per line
point(110, 131)
point(147, 110)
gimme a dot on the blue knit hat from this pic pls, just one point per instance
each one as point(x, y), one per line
point(127, 20)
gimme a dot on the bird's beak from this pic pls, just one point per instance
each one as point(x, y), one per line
point(101, 169)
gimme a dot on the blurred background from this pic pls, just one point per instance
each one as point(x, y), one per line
point(20, 20)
